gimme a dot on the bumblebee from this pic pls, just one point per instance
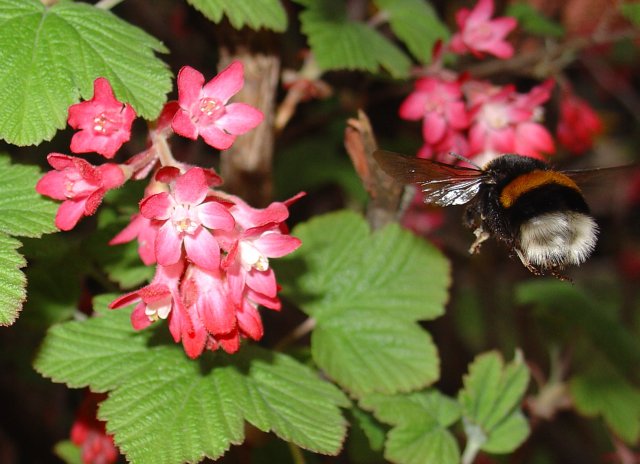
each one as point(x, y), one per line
point(539, 213)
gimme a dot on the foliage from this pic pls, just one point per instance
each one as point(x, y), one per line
point(280, 300)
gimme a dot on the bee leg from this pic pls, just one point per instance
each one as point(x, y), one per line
point(481, 236)
point(534, 270)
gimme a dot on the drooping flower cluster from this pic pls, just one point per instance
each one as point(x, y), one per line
point(89, 433)
point(211, 250)
point(213, 270)
point(578, 124)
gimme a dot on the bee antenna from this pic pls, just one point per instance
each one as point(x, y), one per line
point(465, 159)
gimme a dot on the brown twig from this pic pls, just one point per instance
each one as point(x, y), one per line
point(247, 166)
point(552, 57)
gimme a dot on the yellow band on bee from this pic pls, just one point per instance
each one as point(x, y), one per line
point(527, 182)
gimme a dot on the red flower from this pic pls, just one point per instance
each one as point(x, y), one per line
point(508, 122)
point(90, 435)
point(186, 215)
point(204, 110)
point(479, 34)
point(80, 185)
point(579, 124)
point(104, 122)
point(440, 106)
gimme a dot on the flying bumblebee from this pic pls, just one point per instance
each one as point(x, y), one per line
point(537, 212)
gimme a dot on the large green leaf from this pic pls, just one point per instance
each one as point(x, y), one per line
point(416, 23)
point(491, 400)
point(12, 280)
point(420, 423)
point(255, 14)
point(604, 392)
point(375, 353)
point(52, 55)
point(366, 291)
point(343, 268)
point(339, 43)
point(165, 408)
point(23, 213)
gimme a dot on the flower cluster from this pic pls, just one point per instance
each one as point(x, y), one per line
point(211, 250)
point(89, 433)
point(480, 120)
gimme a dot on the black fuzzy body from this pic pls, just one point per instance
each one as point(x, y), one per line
point(486, 211)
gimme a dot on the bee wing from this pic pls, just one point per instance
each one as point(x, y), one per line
point(442, 184)
point(586, 175)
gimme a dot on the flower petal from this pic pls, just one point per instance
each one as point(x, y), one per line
point(227, 83)
point(183, 125)
point(69, 213)
point(276, 245)
point(156, 206)
point(240, 118)
point(190, 82)
point(214, 215)
point(191, 187)
point(262, 281)
point(203, 249)
point(216, 137)
point(168, 245)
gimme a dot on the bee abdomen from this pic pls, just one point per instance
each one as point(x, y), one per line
point(558, 238)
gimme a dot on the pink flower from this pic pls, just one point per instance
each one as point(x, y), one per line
point(80, 185)
point(507, 122)
point(256, 238)
point(89, 433)
point(104, 122)
point(479, 34)
point(440, 106)
point(204, 110)
point(156, 300)
point(186, 214)
point(579, 124)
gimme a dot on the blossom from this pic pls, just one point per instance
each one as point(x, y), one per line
point(505, 121)
point(256, 238)
point(579, 124)
point(186, 214)
point(440, 106)
point(156, 300)
point(79, 184)
point(204, 109)
point(479, 34)
point(104, 122)
point(89, 433)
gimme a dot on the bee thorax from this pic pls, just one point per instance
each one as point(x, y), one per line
point(558, 239)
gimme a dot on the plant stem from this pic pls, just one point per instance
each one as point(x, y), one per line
point(296, 453)
point(107, 4)
point(296, 334)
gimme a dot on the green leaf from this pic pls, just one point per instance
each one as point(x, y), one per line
point(12, 280)
point(631, 11)
point(339, 43)
point(603, 392)
point(366, 437)
point(68, 452)
point(490, 402)
point(256, 14)
point(420, 423)
point(367, 354)
point(23, 213)
point(366, 291)
point(193, 408)
point(534, 22)
point(576, 310)
point(416, 23)
point(344, 269)
point(52, 55)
